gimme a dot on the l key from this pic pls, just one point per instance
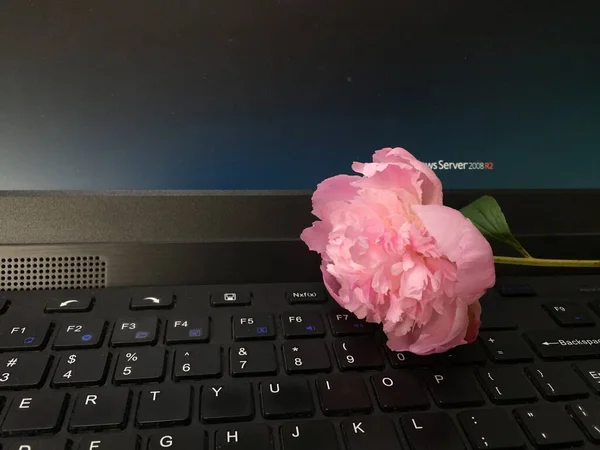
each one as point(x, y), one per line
point(431, 431)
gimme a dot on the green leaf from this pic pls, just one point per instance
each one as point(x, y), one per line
point(486, 215)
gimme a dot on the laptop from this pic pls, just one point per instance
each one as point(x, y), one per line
point(157, 166)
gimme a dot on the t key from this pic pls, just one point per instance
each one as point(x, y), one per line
point(81, 368)
point(144, 364)
point(162, 405)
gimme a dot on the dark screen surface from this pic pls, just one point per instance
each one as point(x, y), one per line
point(281, 94)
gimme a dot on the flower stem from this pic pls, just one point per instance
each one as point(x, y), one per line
point(518, 261)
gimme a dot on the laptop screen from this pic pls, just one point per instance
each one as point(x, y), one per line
point(280, 94)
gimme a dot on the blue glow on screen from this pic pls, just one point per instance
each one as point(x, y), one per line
point(283, 95)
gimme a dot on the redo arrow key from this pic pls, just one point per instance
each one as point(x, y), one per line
point(565, 344)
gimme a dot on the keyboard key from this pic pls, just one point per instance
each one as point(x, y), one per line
point(254, 358)
point(401, 360)
point(313, 435)
point(227, 402)
point(464, 355)
point(515, 290)
point(505, 347)
point(83, 368)
point(495, 316)
point(431, 431)
point(119, 441)
point(358, 353)
point(178, 440)
point(144, 364)
point(491, 429)
point(151, 302)
point(557, 382)
point(100, 409)
point(252, 327)
point(566, 344)
point(182, 330)
point(4, 304)
point(24, 336)
point(230, 298)
point(548, 426)
point(399, 391)
point(453, 387)
point(306, 357)
point(507, 385)
point(23, 370)
point(347, 324)
point(285, 398)
point(202, 361)
point(53, 443)
point(587, 415)
point(369, 433)
point(245, 437)
point(85, 333)
point(590, 371)
point(164, 405)
point(40, 412)
point(58, 305)
point(302, 325)
point(343, 394)
point(141, 331)
point(306, 296)
point(569, 314)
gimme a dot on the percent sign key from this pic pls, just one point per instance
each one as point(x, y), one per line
point(146, 364)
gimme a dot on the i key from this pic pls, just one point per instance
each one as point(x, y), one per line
point(491, 429)
point(144, 364)
point(100, 409)
point(369, 433)
point(254, 358)
point(245, 437)
point(81, 368)
point(141, 331)
point(35, 412)
point(549, 425)
point(343, 394)
point(161, 405)
point(314, 435)
point(286, 398)
point(83, 334)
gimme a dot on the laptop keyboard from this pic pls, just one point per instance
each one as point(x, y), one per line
point(279, 367)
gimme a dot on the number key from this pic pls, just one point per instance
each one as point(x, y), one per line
point(256, 358)
point(145, 364)
point(306, 357)
point(358, 354)
point(18, 370)
point(197, 362)
point(81, 368)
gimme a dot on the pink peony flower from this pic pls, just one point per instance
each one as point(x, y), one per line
point(393, 254)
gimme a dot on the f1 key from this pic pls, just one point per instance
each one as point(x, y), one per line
point(566, 344)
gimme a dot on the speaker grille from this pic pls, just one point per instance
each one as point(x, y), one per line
point(52, 272)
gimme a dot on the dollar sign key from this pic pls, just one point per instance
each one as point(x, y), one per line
point(72, 359)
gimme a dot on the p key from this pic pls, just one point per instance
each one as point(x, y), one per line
point(453, 387)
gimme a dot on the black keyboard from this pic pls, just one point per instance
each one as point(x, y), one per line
point(282, 367)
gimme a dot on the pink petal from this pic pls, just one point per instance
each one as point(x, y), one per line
point(331, 190)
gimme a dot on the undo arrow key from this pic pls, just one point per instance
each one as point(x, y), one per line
point(566, 344)
point(57, 305)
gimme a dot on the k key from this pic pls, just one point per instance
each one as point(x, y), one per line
point(143, 364)
point(81, 368)
point(370, 433)
point(161, 405)
point(35, 412)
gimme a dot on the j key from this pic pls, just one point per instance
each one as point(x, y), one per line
point(507, 385)
point(306, 357)
point(401, 360)
point(83, 368)
point(343, 394)
point(590, 371)
point(119, 441)
point(35, 412)
point(178, 440)
point(80, 334)
point(164, 405)
point(491, 429)
point(100, 409)
point(587, 415)
point(286, 398)
point(245, 437)
point(306, 296)
point(253, 358)
point(548, 426)
point(566, 344)
point(453, 387)
point(557, 383)
point(399, 391)
point(315, 435)
point(568, 314)
point(370, 433)
point(194, 329)
point(144, 364)
point(227, 402)
point(505, 347)
point(258, 326)
point(230, 298)
point(347, 324)
point(141, 331)
point(57, 305)
point(152, 302)
point(202, 361)
point(23, 370)
point(301, 325)
point(465, 354)
point(39, 444)
point(21, 336)
point(358, 353)
point(431, 431)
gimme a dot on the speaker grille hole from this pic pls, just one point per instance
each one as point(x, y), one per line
point(52, 272)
